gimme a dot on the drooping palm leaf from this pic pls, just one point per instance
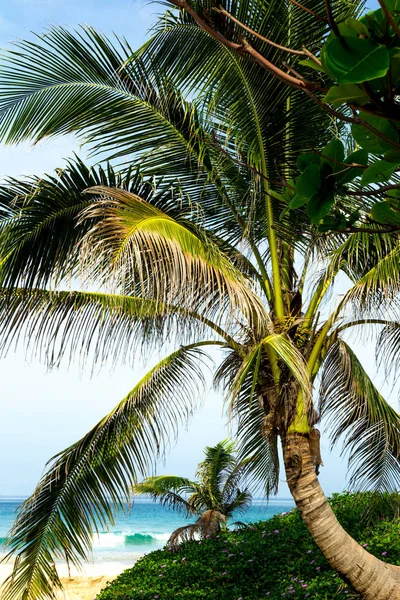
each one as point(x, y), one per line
point(169, 490)
point(87, 482)
point(388, 350)
point(38, 221)
point(98, 327)
point(247, 418)
point(142, 246)
point(207, 525)
point(153, 122)
point(357, 413)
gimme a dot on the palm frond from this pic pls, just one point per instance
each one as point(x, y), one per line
point(376, 292)
point(239, 502)
point(247, 420)
point(387, 351)
point(88, 481)
point(207, 525)
point(40, 235)
point(356, 412)
point(212, 471)
point(96, 327)
point(142, 247)
point(169, 490)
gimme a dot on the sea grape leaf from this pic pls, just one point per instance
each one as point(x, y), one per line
point(307, 159)
point(374, 22)
point(359, 27)
point(337, 222)
point(380, 170)
point(355, 60)
point(319, 206)
point(348, 92)
point(354, 217)
point(395, 66)
point(383, 213)
point(369, 140)
point(297, 201)
point(359, 157)
point(332, 154)
point(392, 156)
point(309, 182)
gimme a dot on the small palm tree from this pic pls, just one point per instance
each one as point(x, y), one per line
point(214, 497)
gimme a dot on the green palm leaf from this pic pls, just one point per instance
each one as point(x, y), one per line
point(87, 482)
point(247, 420)
point(144, 248)
point(356, 411)
point(169, 490)
point(40, 235)
point(99, 327)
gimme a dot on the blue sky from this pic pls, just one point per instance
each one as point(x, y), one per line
point(42, 413)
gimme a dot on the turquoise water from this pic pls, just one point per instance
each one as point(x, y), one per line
point(146, 527)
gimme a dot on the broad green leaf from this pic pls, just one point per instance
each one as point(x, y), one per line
point(395, 66)
point(374, 22)
point(332, 154)
point(311, 64)
point(359, 27)
point(347, 30)
point(309, 181)
point(359, 157)
point(307, 159)
point(297, 201)
point(355, 60)
point(319, 206)
point(349, 92)
point(354, 217)
point(381, 170)
point(371, 142)
point(382, 212)
point(337, 223)
point(392, 156)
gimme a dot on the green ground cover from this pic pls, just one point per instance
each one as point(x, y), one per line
point(272, 559)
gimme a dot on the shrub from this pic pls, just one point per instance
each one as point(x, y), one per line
point(274, 559)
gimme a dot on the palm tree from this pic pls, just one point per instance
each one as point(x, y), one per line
point(189, 242)
point(214, 497)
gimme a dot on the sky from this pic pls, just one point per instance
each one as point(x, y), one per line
point(43, 412)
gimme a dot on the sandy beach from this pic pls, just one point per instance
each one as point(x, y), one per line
point(81, 585)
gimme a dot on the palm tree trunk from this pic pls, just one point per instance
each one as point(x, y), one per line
point(368, 575)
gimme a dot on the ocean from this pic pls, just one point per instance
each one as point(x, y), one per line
point(146, 527)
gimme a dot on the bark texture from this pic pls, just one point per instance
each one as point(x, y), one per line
point(371, 577)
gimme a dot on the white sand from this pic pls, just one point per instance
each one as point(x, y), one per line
point(81, 585)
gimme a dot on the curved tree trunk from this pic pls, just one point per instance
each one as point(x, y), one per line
point(368, 575)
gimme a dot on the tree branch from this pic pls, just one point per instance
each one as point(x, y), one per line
point(354, 120)
point(381, 190)
point(309, 11)
point(331, 20)
point(224, 12)
point(245, 47)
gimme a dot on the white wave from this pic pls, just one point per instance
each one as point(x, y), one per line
point(113, 540)
point(108, 540)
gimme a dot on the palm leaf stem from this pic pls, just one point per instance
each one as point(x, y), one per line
point(319, 293)
point(363, 322)
point(229, 339)
point(273, 248)
point(304, 272)
point(319, 344)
